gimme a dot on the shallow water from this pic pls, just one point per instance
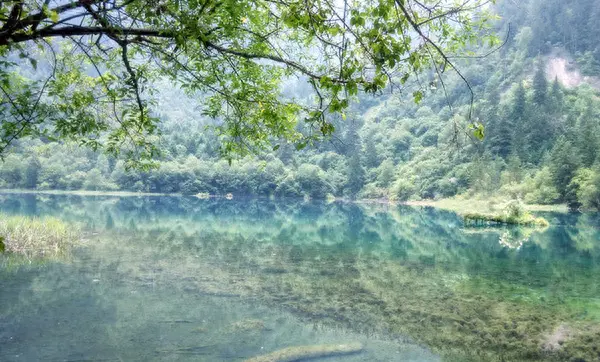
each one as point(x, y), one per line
point(177, 278)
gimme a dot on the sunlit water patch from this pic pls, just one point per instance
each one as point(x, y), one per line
point(166, 278)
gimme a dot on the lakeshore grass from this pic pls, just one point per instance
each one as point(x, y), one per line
point(33, 237)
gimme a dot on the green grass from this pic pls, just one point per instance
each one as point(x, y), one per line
point(36, 237)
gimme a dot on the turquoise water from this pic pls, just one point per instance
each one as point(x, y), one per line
point(177, 278)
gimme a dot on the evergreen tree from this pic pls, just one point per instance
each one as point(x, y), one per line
point(564, 162)
point(589, 140)
point(540, 85)
point(517, 120)
point(593, 26)
point(538, 136)
point(519, 106)
point(501, 137)
point(556, 97)
point(500, 129)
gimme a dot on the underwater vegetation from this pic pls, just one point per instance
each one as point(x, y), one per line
point(401, 273)
point(454, 292)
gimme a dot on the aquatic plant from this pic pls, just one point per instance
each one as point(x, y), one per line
point(36, 237)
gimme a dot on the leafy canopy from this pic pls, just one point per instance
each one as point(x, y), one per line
point(99, 61)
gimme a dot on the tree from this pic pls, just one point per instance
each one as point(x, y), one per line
point(556, 97)
point(32, 173)
point(356, 172)
point(356, 175)
point(93, 63)
point(518, 119)
point(564, 162)
point(500, 129)
point(372, 158)
point(540, 85)
point(386, 172)
point(519, 106)
point(588, 139)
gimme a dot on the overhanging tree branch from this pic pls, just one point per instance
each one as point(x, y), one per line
point(242, 50)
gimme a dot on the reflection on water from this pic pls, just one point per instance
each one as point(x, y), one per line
point(169, 278)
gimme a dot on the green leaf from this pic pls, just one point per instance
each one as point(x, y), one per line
point(418, 96)
point(478, 131)
point(53, 16)
point(2, 245)
point(404, 78)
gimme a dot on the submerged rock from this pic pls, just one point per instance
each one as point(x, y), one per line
point(299, 353)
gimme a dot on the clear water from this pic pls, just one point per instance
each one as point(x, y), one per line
point(177, 278)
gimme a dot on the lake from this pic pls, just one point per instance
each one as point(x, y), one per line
point(179, 278)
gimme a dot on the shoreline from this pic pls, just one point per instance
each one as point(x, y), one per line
point(85, 193)
point(458, 205)
point(462, 206)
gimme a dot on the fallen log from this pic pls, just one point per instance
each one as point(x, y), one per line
point(297, 353)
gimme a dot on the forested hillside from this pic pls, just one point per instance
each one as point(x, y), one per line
point(541, 134)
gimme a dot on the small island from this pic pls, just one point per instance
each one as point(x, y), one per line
point(514, 213)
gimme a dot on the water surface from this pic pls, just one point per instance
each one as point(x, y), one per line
point(177, 278)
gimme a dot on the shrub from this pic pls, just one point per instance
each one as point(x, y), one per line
point(403, 189)
point(586, 186)
point(515, 209)
point(542, 189)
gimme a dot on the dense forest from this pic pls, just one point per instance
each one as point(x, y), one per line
point(542, 132)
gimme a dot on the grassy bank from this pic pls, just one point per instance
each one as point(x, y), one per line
point(36, 237)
